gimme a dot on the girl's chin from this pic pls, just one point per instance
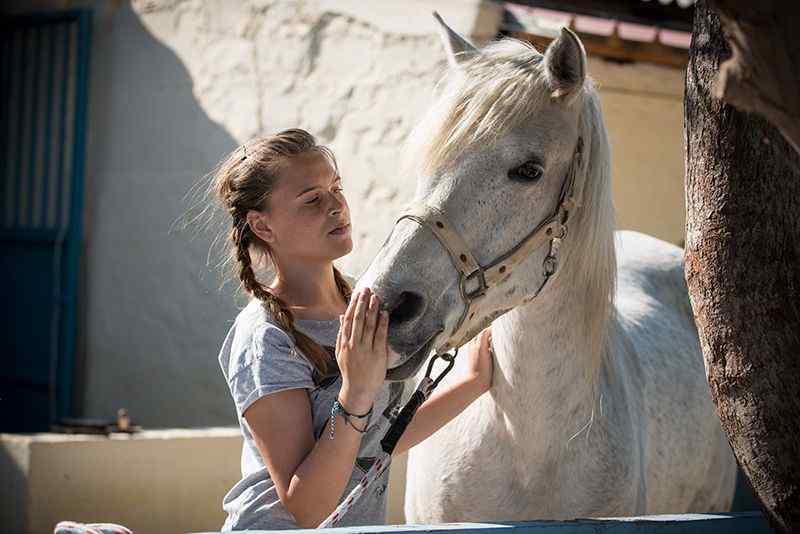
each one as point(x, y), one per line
point(344, 246)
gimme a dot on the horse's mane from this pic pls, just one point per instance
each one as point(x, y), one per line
point(504, 85)
point(479, 107)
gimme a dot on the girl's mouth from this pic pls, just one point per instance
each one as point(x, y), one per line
point(341, 230)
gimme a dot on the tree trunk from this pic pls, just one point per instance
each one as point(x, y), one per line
point(743, 272)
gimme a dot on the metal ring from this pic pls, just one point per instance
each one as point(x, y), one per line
point(449, 357)
point(550, 265)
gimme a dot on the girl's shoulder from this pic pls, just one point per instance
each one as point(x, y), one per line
point(255, 317)
point(255, 335)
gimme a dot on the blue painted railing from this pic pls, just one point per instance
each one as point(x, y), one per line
point(733, 523)
point(44, 82)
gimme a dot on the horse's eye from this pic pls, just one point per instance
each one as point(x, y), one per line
point(530, 171)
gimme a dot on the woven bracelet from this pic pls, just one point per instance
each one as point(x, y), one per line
point(338, 408)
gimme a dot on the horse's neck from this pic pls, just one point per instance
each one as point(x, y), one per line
point(541, 368)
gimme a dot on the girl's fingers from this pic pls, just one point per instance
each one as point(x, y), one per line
point(347, 325)
point(358, 319)
point(371, 320)
point(486, 339)
point(339, 335)
point(381, 331)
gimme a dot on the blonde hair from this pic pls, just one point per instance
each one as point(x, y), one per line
point(244, 181)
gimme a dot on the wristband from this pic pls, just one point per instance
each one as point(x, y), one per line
point(338, 408)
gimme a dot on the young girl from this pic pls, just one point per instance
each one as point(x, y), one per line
point(304, 342)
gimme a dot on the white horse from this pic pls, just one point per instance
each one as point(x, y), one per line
point(599, 404)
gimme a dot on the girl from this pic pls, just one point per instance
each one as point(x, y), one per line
point(304, 342)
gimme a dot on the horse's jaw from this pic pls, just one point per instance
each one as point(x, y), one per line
point(411, 364)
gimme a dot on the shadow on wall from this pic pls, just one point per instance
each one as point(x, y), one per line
point(744, 499)
point(15, 479)
point(154, 315)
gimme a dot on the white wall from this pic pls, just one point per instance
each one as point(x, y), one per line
point(176, 84)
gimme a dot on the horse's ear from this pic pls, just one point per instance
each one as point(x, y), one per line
point(565, 62)
point(457, 48)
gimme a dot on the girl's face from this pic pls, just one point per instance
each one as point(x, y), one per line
point(306, 211)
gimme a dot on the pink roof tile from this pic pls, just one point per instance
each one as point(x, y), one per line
point(675, 38)
point(594, 25)
point(637, 32)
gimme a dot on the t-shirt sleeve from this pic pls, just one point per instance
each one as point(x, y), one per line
point(271, 364)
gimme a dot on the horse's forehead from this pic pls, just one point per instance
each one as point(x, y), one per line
point(552, 126)
point(547, 135)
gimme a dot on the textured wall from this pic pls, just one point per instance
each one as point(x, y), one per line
point(643, 111)
point(176, 85)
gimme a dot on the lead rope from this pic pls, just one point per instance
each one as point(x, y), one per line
point(392, 436)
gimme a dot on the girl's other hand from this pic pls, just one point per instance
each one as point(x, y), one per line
point(361, 351)
point(480, 359)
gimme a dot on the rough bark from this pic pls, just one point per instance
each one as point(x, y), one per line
point(743, 272)
point(763, 74)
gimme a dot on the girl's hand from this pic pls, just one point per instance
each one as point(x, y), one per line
point(362, 351)
point(480, 359)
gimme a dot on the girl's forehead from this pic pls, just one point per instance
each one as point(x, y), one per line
point(304, 171)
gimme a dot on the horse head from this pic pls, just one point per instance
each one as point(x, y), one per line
point(505, 203)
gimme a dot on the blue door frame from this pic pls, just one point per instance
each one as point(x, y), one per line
point(44, 75)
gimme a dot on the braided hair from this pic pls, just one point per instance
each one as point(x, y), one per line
point(243, 182)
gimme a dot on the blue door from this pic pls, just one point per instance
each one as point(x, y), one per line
point(44, 70)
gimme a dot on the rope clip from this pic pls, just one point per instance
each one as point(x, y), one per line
point(449, 358)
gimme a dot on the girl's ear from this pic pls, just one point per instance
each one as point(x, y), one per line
point(258, 223)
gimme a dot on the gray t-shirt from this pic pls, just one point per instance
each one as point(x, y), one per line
point(258, 358)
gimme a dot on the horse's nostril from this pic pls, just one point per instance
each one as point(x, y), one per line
point(409, 305)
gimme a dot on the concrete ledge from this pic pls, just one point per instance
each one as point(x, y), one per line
point(734, 523)
point(153, 481)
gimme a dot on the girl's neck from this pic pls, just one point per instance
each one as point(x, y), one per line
point(309, 290)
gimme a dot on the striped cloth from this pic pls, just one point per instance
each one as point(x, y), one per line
point(71, 527)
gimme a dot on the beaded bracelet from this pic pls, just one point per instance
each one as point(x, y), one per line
point(338, 408)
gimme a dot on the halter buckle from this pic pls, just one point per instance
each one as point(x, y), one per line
point(480, 290)
point(550, 265)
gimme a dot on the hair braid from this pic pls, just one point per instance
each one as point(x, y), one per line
point(244, 181)
point(276, 307)
point(342, 284)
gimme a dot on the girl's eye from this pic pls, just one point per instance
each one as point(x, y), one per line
point(339, 189)
point(314, 201)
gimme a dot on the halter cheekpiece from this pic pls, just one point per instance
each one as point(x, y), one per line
point(476, 280)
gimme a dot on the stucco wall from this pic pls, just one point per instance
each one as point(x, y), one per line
point(643, 110)
point(177, 84)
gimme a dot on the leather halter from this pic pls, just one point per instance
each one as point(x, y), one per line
point(475, 280)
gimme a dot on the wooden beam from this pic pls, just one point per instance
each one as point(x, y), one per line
point(614, 47)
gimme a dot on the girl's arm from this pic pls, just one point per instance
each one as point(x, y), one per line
point(309, 477)
point(445, 404)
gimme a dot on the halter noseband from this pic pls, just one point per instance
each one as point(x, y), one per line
point(474, 280)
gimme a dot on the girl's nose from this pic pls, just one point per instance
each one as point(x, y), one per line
point(336, 205)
